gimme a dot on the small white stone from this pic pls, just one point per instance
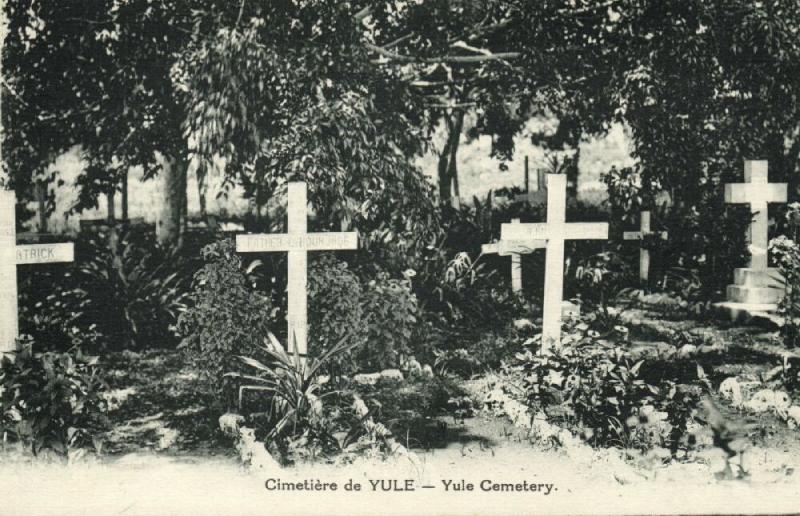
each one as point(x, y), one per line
point(687, 350)
point(730, 390)
point(413, 367)
point(427, 371)
point(569, 309)
point(367, 378)
point(766, 399)
point(392, 374)
point(793, 416)
point(229, 423)
point(523, 324)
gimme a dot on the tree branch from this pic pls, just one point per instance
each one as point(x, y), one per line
point(241, 11)
point(393, 56)
point(363, 13)
point(588, 8)
point(14, 92)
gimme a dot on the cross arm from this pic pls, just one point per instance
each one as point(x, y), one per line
point(45, 253)
point(737, 193)
point(586, 231)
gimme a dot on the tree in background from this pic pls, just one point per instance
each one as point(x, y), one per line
point(276, 91)
point(503, 61)
point(100, 71)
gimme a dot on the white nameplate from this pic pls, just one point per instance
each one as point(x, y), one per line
point(301, 242)
point(45, 253)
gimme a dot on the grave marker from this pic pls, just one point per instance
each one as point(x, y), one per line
point(297, 241)
point(644, 254)
point(12, 255)
point(555, 231)
point(757, 289)
point(514, 248)
point(758, 192)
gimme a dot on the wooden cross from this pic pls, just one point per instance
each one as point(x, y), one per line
point(514, 248)
point(644, 254)
point(758, 192)
point(12, 255)
point(297, 241)
point(554, 232)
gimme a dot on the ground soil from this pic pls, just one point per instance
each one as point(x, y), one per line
point(165, 455)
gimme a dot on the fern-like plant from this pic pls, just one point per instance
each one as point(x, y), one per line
point(292, 384)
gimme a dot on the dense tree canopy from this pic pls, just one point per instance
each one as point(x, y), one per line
point(346, 93)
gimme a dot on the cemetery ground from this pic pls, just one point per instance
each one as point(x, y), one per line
point(163, 439)
point(137, 359)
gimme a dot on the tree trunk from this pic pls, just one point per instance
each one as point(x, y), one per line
point(184, 186)
point(173, 187)
point(445, 181)
point(41, 198)
point(111, 212)
point(201, 192)
point(448, 168)
point(124, 187)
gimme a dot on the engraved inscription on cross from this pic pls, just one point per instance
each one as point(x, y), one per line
point(758, 192)
point(555, 231)
point(297, 241)
point(515, 249)
point(644, 254)
point(12, 255)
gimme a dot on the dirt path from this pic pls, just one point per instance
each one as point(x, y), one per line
point(165, 458)
point(488, 454)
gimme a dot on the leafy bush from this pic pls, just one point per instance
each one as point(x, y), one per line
point(598, 389)
point(51, 400)
point(391, 310)
point(602, 278)
point(136, 288)
point(335, 312)
point(295, 420)
point(787, 255)
point(696, 260)
point(226, 317)
point(55, 311)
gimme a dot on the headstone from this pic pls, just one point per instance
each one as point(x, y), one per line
point(757, 191)
point(757, 289)
point(12, 255)
point(554, 232)
point(644, 254)
point(515, 249)
point(297, 241)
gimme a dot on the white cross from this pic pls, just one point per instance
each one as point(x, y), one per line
point(758, 192)
point(515, 248)
point(297, 241)
point(644, 254)
point(12, 255)
point(555, 231)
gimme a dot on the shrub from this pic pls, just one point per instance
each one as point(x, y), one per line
point(335, 312)
point(56, 312)
point(598, 389)
point(226, 317)
point(391, 310)
point(51, 400)
point(295, 421)
point(787, 256)
point(697, 258)
point(136, 288)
